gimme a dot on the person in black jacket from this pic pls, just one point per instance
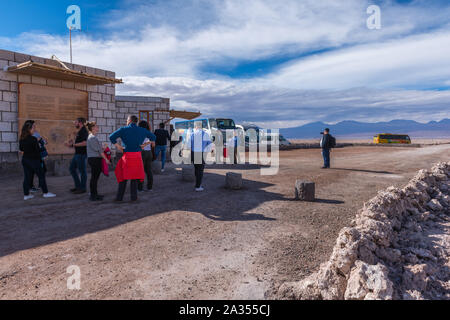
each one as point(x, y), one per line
point(31, 160)
point(79, 160)
point(147, 158)
point(325, 144)
point(162, 137)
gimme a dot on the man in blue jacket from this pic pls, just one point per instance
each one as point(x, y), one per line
point(132, 138)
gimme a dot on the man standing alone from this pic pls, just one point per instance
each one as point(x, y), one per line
point(326, 143)
point(162, 137)
point(80, 157)
point(200, 142)
point(130, 166)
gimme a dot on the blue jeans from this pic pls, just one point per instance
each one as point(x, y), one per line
point(79, 163)
point(161, 149)
point(326, 157)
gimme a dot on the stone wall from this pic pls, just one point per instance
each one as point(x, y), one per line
point(398, 247)
point(102, 108)
point(130, 105)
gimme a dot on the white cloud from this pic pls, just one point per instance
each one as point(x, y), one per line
point(164, 47)
point(415, 61)
point(272, 106)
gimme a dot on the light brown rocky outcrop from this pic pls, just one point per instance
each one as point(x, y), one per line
point(397, 247)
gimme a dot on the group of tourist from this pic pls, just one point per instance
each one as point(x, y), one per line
point(139, 146)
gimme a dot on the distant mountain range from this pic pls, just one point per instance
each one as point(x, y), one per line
point(357, 129)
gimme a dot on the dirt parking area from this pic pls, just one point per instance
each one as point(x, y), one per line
point(177, 244)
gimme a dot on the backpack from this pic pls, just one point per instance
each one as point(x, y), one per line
point(332, 142)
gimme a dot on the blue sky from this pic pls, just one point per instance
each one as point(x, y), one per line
point(278, 64)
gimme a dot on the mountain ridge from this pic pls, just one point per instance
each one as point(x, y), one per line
point(435, 129)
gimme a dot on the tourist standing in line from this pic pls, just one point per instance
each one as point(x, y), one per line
point(79, 160)
point(162, 137)
point(130, 166)
point(147, 158)
point(31, 160)
point(95, 154)
point(200, 142)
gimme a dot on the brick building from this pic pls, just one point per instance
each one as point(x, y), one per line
point(151, 109)
point(54, 94)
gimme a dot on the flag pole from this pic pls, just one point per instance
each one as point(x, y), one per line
point(70, 40)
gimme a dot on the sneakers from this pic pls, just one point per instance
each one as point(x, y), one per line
point(199, 189)
point(45, 195)
point(79, 191)
point(49, 195)
point(34, 190)
point(162, 170)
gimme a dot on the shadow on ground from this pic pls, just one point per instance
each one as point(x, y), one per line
point(361, 170)
point(33, 224)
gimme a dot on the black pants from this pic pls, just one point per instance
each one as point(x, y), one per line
point(30, 167)
point(32, 176)
point(122, 188)
point(199, 167)
point(96, 170)
point(147, 158)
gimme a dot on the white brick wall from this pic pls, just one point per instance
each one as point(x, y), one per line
point(101, 98)
point(132, 105)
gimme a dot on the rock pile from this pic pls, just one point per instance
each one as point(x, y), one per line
point(397, 247)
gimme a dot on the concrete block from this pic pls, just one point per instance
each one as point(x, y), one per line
point(9, 137)
point(101, 89)
point(8, 76)
point(102, 105)
point(5, 126)
point(6, 55)
point(5, 147)
point(188, 174)
point(4, 85)
point(5, 106)
point(97, 113)
point(9, 116)
point(95, 96)
point(305, 190)
point(10, 96)
point(233, 181)
point(20, 57)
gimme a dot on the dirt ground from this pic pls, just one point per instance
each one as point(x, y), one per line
point(177, 244)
